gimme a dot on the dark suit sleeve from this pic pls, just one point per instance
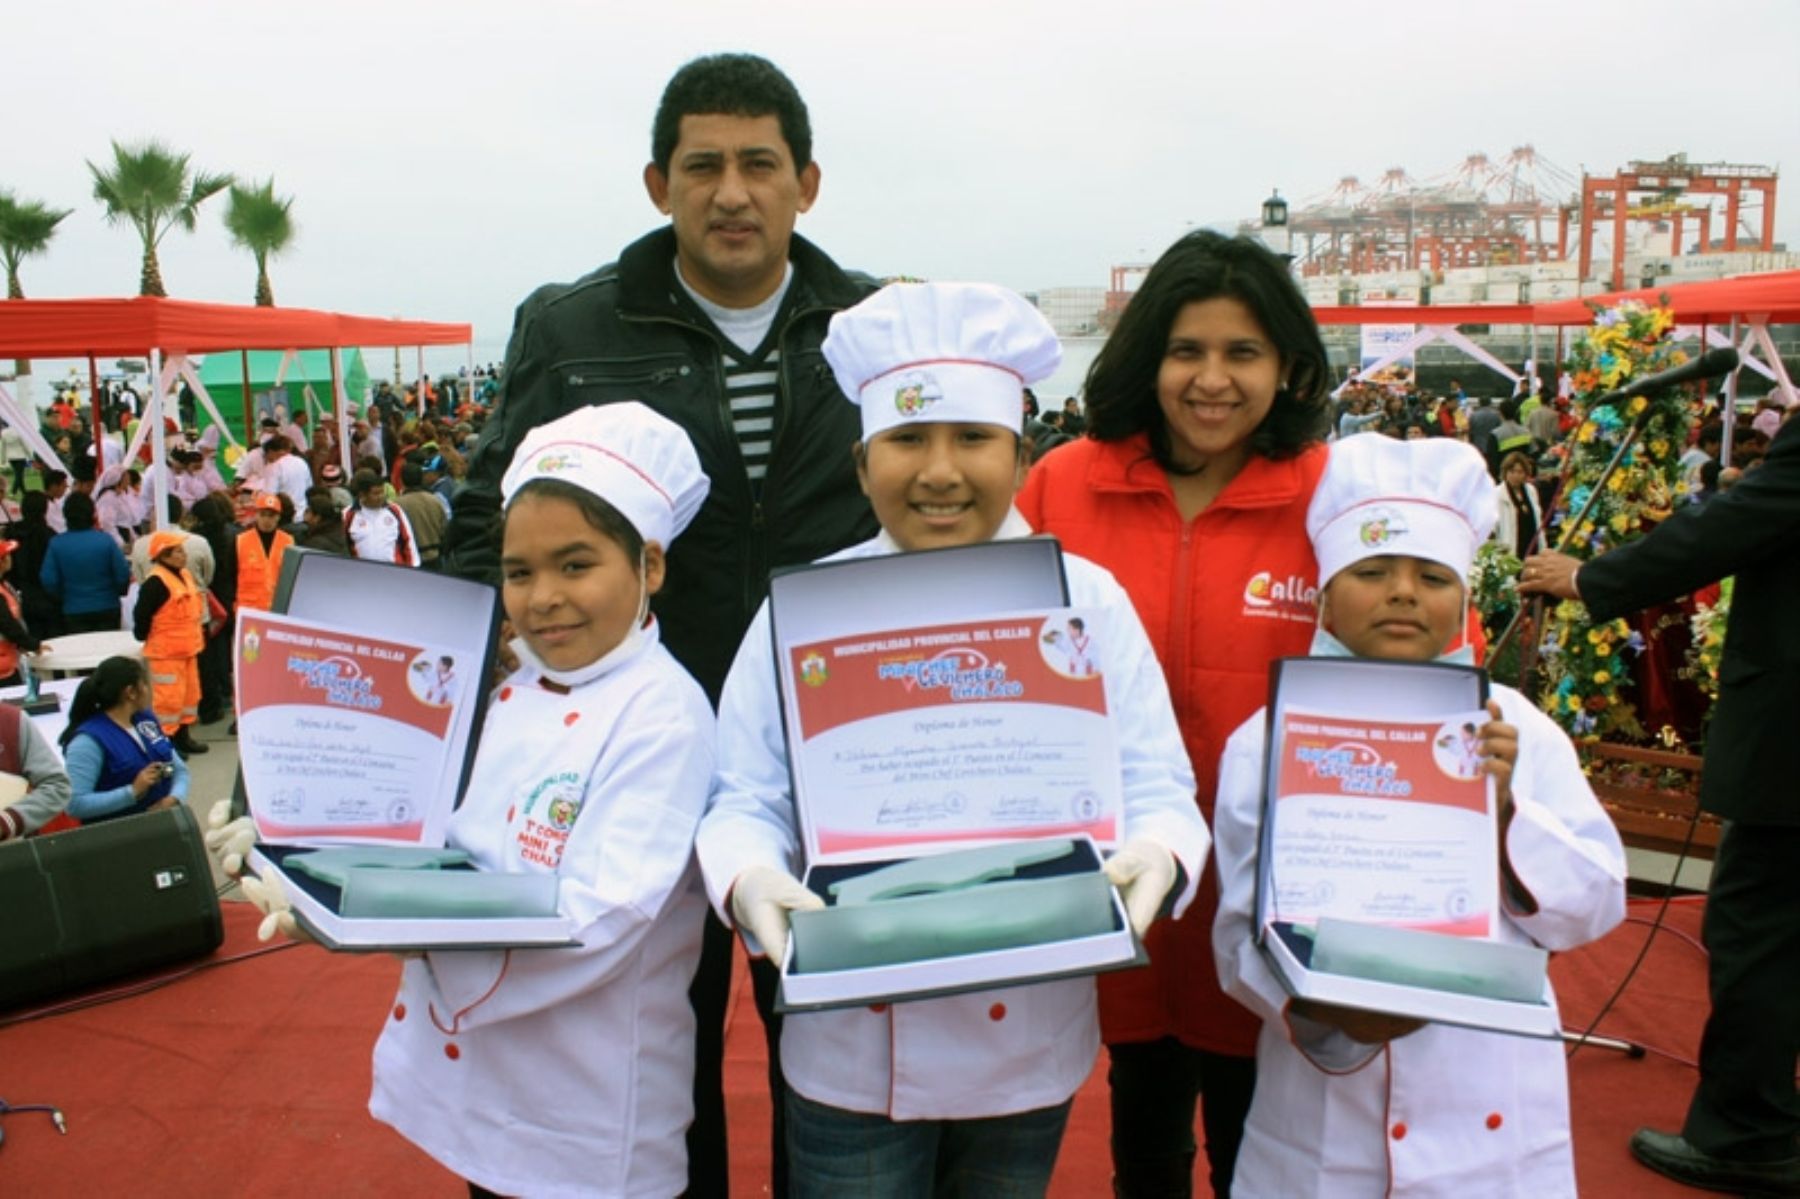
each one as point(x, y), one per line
point(527, 397)
point(1754, 520)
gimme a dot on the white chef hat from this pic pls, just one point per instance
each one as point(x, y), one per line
point(1425, 499)
point(638, 461)
point(940, 352)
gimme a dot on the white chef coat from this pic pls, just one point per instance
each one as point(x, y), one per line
point(1443, 1111)
point(985, 1053)
point(551, 1072)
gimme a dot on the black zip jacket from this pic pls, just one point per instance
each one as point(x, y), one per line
point(627, 332)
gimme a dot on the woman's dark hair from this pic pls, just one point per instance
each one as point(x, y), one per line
point(213, 509)
point(602, 515)
point(1120, 393)
point(320, 504)
point(101, 690)
point(34, 507)
point(739, 85)
point(78, 511)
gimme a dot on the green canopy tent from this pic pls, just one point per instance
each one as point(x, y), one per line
point(223, 376)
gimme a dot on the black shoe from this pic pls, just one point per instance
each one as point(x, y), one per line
point(1669, 1154)
point(184, 741)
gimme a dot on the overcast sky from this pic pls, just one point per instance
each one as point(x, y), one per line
point(445, 156)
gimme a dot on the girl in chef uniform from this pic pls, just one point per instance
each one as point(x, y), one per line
point(570, 1071)
point(966, 1095)
point(1351, 1103)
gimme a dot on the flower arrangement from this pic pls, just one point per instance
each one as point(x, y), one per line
point(1494, 590)
point(1584, 664)
point(1708, 645)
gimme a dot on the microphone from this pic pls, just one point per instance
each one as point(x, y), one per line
point(1709, 365)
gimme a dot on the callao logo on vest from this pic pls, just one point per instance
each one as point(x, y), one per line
point(1294, 597)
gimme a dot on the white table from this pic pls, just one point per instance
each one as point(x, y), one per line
point(51, 724)
point(75, 653)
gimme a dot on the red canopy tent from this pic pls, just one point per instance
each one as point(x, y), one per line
point(1770, 299)
point(84, 328)
point(1759, 300)
point(154, 326)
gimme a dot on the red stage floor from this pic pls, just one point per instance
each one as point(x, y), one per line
point(251, 1076)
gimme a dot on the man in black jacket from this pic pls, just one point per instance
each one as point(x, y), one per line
point(715, 322)
point(1743, 1125)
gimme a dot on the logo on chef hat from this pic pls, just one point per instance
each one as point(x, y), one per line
point(559, 461)
point(917, 392)
point(812, 670)
point(1383, 526)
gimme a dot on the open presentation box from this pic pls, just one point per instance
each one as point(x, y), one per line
point(358, 702)
point(1378, 882)
point(941, 733)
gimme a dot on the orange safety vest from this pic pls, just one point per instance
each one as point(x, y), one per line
point(9, 653)
point(257, 571)
point(175, 630)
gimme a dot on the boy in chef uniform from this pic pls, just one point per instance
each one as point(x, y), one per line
point(570, 1071)
point(1351, 1103)
point(967, 1094)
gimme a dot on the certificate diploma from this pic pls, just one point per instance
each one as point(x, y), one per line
point(345, 736)
point(965, 732)
point(1383, 822)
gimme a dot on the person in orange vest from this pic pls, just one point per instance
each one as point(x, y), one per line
point(170, 620)
point(259, 552)
point(15, 635)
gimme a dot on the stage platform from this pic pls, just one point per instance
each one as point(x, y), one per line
point(249, 1074)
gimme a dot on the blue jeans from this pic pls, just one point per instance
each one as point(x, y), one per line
point(838, 1154)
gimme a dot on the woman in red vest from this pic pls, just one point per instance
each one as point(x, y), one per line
point(1205, 411)
point(170, 619)
point(260, 549)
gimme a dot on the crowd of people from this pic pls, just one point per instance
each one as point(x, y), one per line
point(1524, 440)
point(724, 400)
point(82, 551)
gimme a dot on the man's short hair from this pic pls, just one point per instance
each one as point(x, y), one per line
point(738, 85)
point(364, 480)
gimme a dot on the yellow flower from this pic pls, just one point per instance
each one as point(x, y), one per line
point(1593, 636)
point(1638, 405)
point(1617, 482)
point(1586, 530)
point(1586, 432)
point(1659, 447)
point(1621, 522)
point(1602, 677)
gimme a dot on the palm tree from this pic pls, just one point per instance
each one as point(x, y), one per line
point(26, 227)
point(262, 223)
point(149, 189)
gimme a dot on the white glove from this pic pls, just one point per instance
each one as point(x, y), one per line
point(761, 899)
point(1143, 871)
point(229, 840)
point(272, 902)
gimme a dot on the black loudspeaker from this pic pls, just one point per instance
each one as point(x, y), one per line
point(103, 901)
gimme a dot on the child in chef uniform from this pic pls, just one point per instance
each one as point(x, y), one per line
point(570, 1071)
point(965, 1095)
point(1351, 1103)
